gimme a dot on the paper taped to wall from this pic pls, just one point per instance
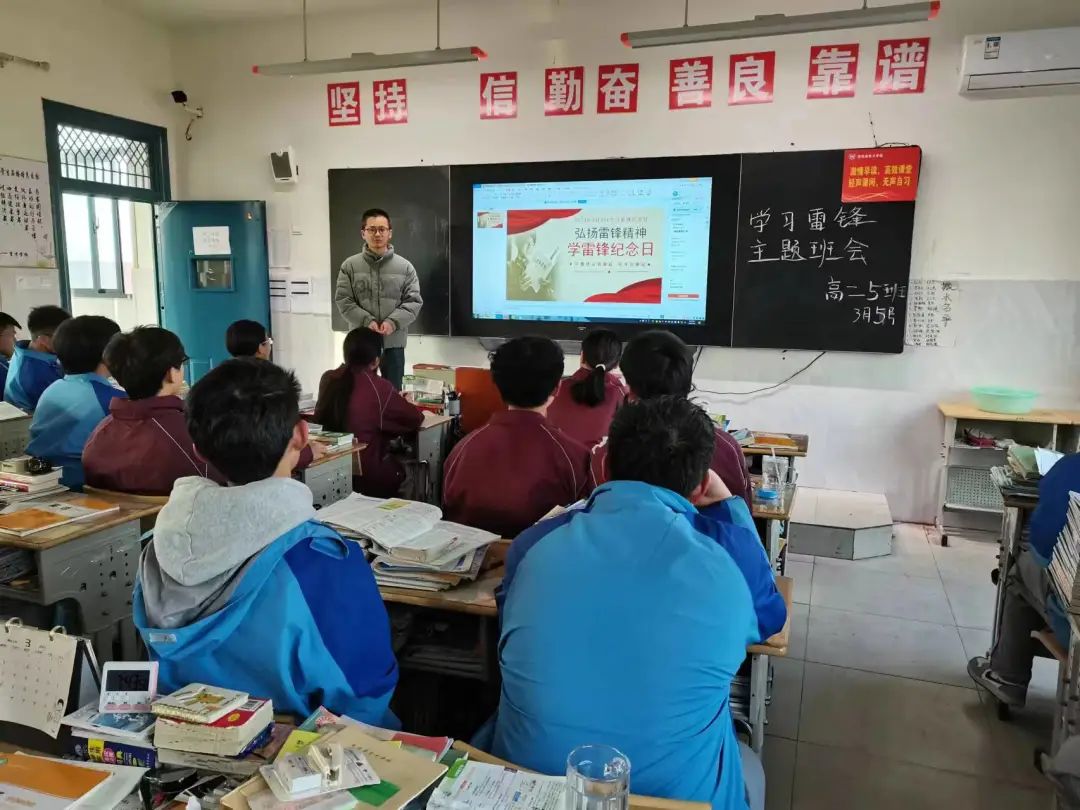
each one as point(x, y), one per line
point(211, 240)
point(931, 312)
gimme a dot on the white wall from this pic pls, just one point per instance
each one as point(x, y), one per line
point(101, 59)
point(996, 205)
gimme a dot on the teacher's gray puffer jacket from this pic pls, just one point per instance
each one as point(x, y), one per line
point(379, 288)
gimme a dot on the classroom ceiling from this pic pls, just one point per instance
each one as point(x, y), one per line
point(199, 12)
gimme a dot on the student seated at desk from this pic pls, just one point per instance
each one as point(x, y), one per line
point(71, 408)
point(34, 365)
point(9, 330)
point(587, 399)
point(624, 622)
point(508, 474)
point(657, 363)
point(143, 446)
point(241, 585)
point(248, 339)
point(355, 399)
point(1031, 603)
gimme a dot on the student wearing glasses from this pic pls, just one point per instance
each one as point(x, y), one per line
point(249, 339)
point(378, 290)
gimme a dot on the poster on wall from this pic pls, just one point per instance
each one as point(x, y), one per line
point(931, 312)
point(343, 104)
point(888, 174)
point(564, 90)
point(690, 83)
point(391, 99)
point(833, 69)
point(617, 88)
point(26, 228)
point(901, 66)
point(498, 95)
point(751, 77)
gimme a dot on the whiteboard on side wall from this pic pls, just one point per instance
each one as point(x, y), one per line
point(26, 227)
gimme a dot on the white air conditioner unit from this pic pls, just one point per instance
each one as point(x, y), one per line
point(1021, 63)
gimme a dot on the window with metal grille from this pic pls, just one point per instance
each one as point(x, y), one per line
point(99, 157)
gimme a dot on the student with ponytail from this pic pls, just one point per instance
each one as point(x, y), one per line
point(355, 399)
point(587, 400)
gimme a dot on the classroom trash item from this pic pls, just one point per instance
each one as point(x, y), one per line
point(1003, 400)
point(29, 517)
point(124, 726)
point(230, 735)
point(38, 783)
point(198, 703)
point(479, 786)
point(597, 778)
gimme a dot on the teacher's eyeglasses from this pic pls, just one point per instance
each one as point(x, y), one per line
point(377, 231)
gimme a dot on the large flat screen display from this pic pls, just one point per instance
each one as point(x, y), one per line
point(558, 247)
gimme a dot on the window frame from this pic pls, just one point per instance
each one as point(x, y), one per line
point(97, 289)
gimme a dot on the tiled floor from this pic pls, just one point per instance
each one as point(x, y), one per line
point(873, 706)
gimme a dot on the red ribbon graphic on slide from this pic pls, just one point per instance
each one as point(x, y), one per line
point(640, 292)
point(522, 221)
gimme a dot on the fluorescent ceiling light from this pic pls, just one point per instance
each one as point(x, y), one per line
point(374, 61)
point(773, 25)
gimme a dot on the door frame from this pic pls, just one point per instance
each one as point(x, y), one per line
point(156, 138)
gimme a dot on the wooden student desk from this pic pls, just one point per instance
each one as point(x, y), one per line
point(749, 695)
point(92, 562)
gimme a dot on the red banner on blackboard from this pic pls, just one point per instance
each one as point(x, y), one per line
point(890, 174)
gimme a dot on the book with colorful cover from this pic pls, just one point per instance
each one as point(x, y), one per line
point(37, 783)
point(29, 517)
point(228, 736)
point(113, 752)
point(117, 725)
point(198, 703)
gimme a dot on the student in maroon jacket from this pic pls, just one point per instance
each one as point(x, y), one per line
point(508, 474)
point(586, 400)
point(657, 363)
point(355, 399)
point(143, 445)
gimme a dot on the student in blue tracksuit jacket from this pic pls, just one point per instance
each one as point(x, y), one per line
point(9, 333)
point(624, 622)
point(71, 408)
point(241, 586)
point(34, 365)
point(1030, 602)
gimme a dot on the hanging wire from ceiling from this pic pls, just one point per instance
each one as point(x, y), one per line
point(303, 17)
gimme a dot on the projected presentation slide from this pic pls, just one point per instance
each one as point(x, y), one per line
point(598, 250)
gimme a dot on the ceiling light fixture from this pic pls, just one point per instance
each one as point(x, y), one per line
point(773, 25)
point(369, 60)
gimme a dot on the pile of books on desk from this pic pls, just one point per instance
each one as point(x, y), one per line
point(410, 544)
point(1063, 564)
point(1023, 469)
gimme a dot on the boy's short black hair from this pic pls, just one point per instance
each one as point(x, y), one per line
point(375, 212)
point(243, 338)
point(80, 342)
point(656, 363)
point(140, 359)
point(6, 321)
point(666, 441)
point(241, 416)
point(46, 320)
point(527, 370)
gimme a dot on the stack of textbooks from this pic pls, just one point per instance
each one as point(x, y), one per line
point(14, 564)
point(112, 738)
point(333, 442)
point(29, 485)
point(1023, 470)
point(213, 729)
point(410, 544)
point(1064, 563)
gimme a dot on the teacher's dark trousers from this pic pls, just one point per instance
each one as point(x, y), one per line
point(392, 365)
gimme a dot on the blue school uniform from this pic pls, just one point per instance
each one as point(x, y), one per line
point(623, 623)
point(1047, 521)
point(29, 373)
point(66, 415)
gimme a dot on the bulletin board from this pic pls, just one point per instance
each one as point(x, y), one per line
point(26, 227)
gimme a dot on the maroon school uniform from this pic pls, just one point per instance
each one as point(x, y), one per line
point(377, 413)
point(508, 474)
point(728, 462)
point(142, 447)
point(586, 424)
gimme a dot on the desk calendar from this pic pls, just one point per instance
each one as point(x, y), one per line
point(26, 228)
point(36, 670)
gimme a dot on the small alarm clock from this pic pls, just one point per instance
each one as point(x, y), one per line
point(128, 686)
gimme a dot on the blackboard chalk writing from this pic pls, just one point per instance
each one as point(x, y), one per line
point(789, 221)
point(838, 290)
point(757, 251)
point(852, 217)
point(760, 220)
point(875, 316)
point(816, 217)
point(854, 249)
point(822, 250)
point(789, 251)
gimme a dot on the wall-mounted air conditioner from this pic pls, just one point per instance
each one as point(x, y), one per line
point(1021, 63)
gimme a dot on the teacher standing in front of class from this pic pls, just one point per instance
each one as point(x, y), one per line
point(379, 290)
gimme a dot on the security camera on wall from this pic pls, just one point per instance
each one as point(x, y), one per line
point(283, 164)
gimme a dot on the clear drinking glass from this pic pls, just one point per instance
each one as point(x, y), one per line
point(597, 778)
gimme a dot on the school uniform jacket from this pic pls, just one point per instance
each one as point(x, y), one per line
point(728, 462)
point(142, 447)
point(508, 474)
point(29, 373)
point(377, 413)
point(589, 425)
point(66, 415)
